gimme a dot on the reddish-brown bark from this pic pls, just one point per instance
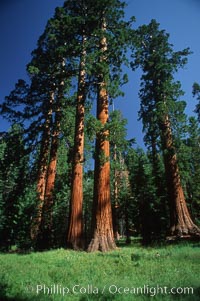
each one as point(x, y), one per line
point(180, 221)
point(75, 231)
point(44, 239)
point(42, 171)
point(102, 228)
point(45, 233)
point(102, 238)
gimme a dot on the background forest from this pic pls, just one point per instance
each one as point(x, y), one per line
point(69, 176)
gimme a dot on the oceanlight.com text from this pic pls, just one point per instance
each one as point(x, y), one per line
point(112, 289)
point(150, 290)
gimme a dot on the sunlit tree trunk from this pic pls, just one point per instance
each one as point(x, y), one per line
point(102, 227)
point(180, 221)
point(75, 231)
point(45, 236)
point(42, 171)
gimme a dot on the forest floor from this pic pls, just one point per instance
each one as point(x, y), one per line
point(131, 272)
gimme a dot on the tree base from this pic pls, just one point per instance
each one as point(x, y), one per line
point(102, 243)
point(181, 231)
point(76, 246)
point(176, 238)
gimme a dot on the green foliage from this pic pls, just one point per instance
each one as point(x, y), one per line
point(13, 171)
point(62, 189)
point(196, 93)
point(52, 91)
point(60, 214)
point(159, 91)
point(92, 127)
point(88, 184)
point(26, 206)
point(149, 212)
point(120, 186)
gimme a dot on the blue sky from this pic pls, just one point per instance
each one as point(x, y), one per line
point(22, 22)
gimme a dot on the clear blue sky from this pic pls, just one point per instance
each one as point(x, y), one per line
point(22, 22)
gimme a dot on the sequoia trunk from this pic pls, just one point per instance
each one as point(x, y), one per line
point(102, 227)
point(42, 171)
point(45, 237)
point(45, 234)
point(180, 221)
point(75, 231)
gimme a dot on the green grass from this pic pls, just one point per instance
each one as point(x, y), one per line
point(126, 268)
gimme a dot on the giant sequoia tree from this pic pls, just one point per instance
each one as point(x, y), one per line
point(159, 100)
point(49, 80)
point(78, 11)
point(112, 33)
point(64, 43)
point(40, 105)
point(83, 41)
point(103, 238)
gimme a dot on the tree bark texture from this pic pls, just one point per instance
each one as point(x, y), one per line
point(102, 226)
point(45, 233)
point(45, 236)
point(75, 232)
point(180, 221)
point(42, 171)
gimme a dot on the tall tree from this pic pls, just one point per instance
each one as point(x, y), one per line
point(79, 13)
point(70, 26)
point(49, 138)
point(75, 232)
point(42, 169)
point(45, 238)
point(52, 65)
point(28, 103)
point(102, 238)
point(112, 31)
point(159, 95)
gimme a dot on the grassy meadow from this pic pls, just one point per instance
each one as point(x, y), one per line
point(129, 273)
